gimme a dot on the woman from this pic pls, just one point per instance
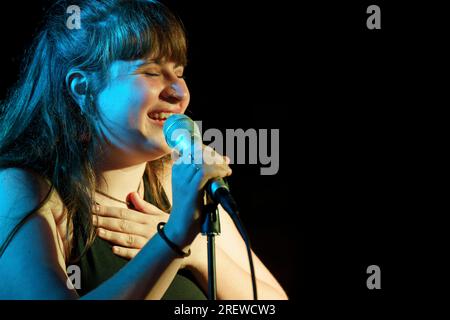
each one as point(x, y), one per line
point(81, 144)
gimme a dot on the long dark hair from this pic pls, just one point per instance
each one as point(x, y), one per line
point(43, 129)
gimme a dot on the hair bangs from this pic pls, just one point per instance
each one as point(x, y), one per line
point(148, 30)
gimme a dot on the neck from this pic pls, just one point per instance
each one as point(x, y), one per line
point(119, 182)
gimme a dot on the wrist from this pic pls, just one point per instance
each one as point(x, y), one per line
point(176, 236)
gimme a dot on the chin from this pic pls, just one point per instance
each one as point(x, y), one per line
point(155, 144)
point(158, 152)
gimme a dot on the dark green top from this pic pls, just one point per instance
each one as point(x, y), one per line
point(100, 263)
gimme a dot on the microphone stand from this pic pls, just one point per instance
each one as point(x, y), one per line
point(211, 228)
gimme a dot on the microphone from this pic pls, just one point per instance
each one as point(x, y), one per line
point(183, 135)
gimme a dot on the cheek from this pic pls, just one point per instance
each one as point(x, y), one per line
point(123, 101)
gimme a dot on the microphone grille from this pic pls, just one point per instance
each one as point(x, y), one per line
point(179, 124)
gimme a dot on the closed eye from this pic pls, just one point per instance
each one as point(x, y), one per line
point(152, 74)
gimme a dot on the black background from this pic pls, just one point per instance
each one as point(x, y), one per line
point(337, 92)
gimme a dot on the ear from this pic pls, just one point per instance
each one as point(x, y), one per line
point(77, 84)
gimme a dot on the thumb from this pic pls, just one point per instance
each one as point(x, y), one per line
point(142, 205)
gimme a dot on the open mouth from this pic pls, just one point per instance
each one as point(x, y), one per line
point(159, 117)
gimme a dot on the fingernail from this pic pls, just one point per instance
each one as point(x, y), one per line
point(95, 208)
point(101, 232)
point(116, 250)
point(133, 196)
point(128, 198)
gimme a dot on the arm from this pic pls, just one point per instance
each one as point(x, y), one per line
point(130, 232)
point(234, 281)
point(31, 265)
point(24, 261)
point(30, 269)
point(233, 270)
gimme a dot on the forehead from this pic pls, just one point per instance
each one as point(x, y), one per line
point(120, 67)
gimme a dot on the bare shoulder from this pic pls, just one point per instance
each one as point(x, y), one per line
point(21, 191)
point(32, 264)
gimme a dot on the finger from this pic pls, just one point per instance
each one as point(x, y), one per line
point(208, 173)
point(215, 171)
point(121, 225)
point(122, 239)
point(126, 253)
point(127, 214)
point(211, 156)
point(197, 179)
point(143, 206)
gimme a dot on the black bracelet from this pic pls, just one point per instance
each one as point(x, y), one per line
point(172, 245)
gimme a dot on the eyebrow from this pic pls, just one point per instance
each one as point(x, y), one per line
point(158, 62)
point(148, 62)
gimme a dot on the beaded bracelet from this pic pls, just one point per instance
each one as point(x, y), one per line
point(172, 245)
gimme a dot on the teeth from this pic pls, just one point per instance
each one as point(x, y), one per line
point(160, 115)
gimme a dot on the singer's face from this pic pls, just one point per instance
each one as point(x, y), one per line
point(138, 96)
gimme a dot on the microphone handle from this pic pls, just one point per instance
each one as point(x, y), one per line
point(219, 191)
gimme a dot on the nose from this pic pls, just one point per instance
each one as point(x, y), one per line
point(175, 91)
